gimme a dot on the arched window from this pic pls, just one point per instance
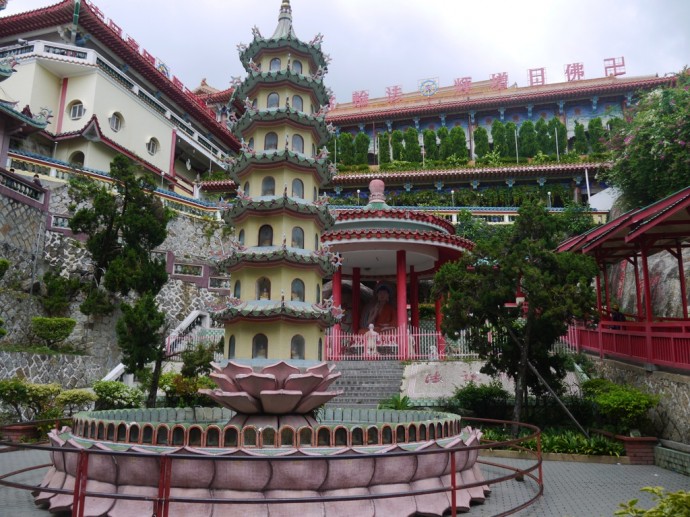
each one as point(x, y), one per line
point(313, 149)
point(297, 66)
point(76, 110)
point(251, 142)
point(240, 237)
point(266, 235)
point(268, 186)
point(297, 290)
point(316, 194)
point(116, 122)
point(263, 288)
point(297, 347)
point(297, 188)
point(238, 289)
point(260, 346)
point(246, 187)
point(273, 100)
point(271, 141)
point(297, 103)
point(297, 237)
point(152, 146)
point(318, 293)
point(77, 159)
point(275, 65)
point(231, 347)
point(297, 144)
point(316, 242)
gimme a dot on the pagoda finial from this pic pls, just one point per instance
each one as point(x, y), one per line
point(284, 29)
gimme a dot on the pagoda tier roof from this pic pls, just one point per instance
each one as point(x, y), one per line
point(400, 217)
point(247, 160)
point(218, 185)
point(255, 79)
point(91, 20)
point(395, 234)
point(22, 122)
point(449, 100)
point(472, 173)
point(324, 314)
point(244, 206)
point(288, 116)
point(241, 257)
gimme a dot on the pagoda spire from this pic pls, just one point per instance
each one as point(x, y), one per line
point(284, 29)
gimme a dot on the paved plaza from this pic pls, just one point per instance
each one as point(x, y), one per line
point(571, 489)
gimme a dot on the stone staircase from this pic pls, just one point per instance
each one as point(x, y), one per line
point(366, 383)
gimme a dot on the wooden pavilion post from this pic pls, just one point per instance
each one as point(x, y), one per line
point(356, 293)
point(647, 306)
point(401, 266)
point(337, 301)
point(414, 297)
point(678, 253)
point(638, 291)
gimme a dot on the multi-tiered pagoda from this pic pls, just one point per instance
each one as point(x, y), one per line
point(276, 261)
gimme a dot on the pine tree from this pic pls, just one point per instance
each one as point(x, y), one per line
point(511, 137)
point(597, 135)
point(361, 149)
point(458, 143)
point(580, 143)
point(346, 149)
point(444, 143)
point(528, 139)
point(544, 143)
point(498, 135)
point(556, 127)
point(413, 152)
point(397, 138)
point(430, 145)
point(384, 147)
point(481, 142)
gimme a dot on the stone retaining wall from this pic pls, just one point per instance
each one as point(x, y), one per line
point(70, 371)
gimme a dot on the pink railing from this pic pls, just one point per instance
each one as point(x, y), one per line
point(663, 343)
point(175, 344)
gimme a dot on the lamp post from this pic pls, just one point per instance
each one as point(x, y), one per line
point(558, 156)
point(549, 199)
point(452, 196)
point(517, 154)
point(162, 179)
point(358, 197)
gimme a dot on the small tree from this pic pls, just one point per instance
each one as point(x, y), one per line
point(511, 139)
point(544, 143)
point(59, 292)
point(384, 147)
point(458, 143)
point(4, 266)
point(430, 145)
point(580, 145)
point(444, 150)
point(498, 135)
point(481, 142)
point(346, 149)
point(413, 152)
point(397, 138)
point(361, 149)
point(597, 135)
point(52, 330)
point(556, 127)
point(528, 139)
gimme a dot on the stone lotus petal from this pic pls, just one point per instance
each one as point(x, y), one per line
point(302, 382)
point(281, 371)
point(280, 401)
point(232, 369)
point(314, 400)
point(255, 383)
point(322, 369)
point(224, 382)
point(330, 379)
point(240, 401)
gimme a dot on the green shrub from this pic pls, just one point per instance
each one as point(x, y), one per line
point(396, 402)
point(620, 408)
point(116, 395)
point(14, 393)
point(562, 441)
point(52, 330)
point(482, 400)
point(4, 266)
point(75, 400)
point(181, 391)
point(60, 291)
point(676, 504)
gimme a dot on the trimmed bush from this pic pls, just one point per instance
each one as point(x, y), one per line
point(116, 395)
point(481, 400)
point(75, 400)
point(620, 408)
point(52, 330)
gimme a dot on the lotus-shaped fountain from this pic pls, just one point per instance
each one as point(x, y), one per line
point(279, 391)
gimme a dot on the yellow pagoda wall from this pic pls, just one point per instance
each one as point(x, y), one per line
point(279, 336)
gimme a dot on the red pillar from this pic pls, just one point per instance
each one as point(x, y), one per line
point(647, 305)
point(607, 296)
point(401, 267)
point(356, 280)
point(414, 297)
point(638, 291)
point(681, 275)
point(337, 301)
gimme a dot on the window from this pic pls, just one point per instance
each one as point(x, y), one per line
point(76, 159)
point(297, 290)
point(297, 188)
point(266, 235)
point(297, 144)
point(116, 122)
point(316, 242)
point(318, 293)
point(263, 288)
point(240, 237)
point(246, 188)
point(231, 347)
point(268, 186)
point(251, 143)
point(316, 194)
point(297, 103)
point(313, 149)
point(271, 141)
point(260, 346)
point(297, 237)
point(76, 110)
point(273, 100)
point(275, 65)
point(238, 289)
point(297, 347)
point(152, 146)
point(297, 66)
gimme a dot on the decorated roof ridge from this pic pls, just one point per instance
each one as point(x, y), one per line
point(37, 123)
point(315, 121)
point(394, 213)
point(324, 313)
point(7, 68)
point(284, 30)
point(221, 96)
point(249, 156)
point(343, 208)
point(312, 82)
point(394, 233)
point(244, 204)
point(393, 176)
point(511, 98)
point(323, 258)
point(92, 20)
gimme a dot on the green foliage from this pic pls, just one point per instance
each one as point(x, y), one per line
point(361, 148)
point(498, 135)
point(597, 135)
point(570, 157)
point(651, 148)
point(181, 391)
point(544, 143)
point(14, 393)
point(75, 400)
point(52, 330)
point(116, 395)
point(481, 400)
point(556, 127)
point(458, 144)
point(346, 149)
point(491, 159)
point(97, 302)
point(413, 152)
point(667, 504)
point(481, 142)
point(397, 138)
point(396, 402)
point(477, 290)
point(4, 266)
point(444, 150)
point(511, 137)
point(197, 360)
point(384, 147)
point(575, 220)
point(528, 139)
point(138, 333)
point(562, 441)
point(430, 145)
point(580, 145)
point(60, 291)
point(621, 408)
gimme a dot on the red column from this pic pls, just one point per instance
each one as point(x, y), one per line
point(647, 305)
point(607, 296)
point(681, 276)
point(414, 297)
point(337, 301)
point(356, 279)
point(401, 267)
point(638, 291)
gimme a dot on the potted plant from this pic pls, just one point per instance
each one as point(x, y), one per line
point(623, 413)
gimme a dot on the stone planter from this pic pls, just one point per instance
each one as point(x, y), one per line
point(19, 432)
point(640, 449)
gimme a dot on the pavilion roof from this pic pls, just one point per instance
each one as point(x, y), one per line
point(655, 228)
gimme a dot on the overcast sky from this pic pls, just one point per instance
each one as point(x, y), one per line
point(378, 43)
